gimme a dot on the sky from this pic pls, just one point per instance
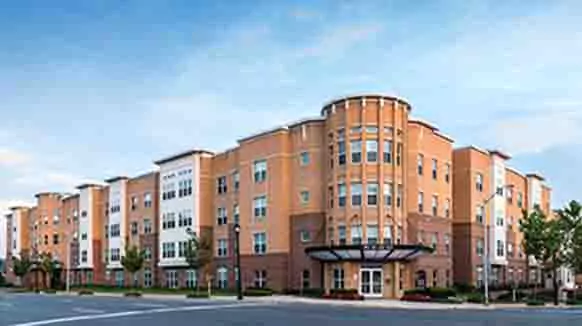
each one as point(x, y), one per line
point(94, 89)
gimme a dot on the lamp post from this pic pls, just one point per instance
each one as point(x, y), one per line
point(486, 261)
point(239, 295)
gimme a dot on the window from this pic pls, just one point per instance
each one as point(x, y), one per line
point(509, 195)
point(338, 278)
point(420, 236)
point(221, 218)
point(305, 279)
point(236, 213)
point(387, 234)
point(398, 154)
point(236, 180)
point(89, 276)
point(55, 239)
point(185, 218)
point(372, 129)
point(387, 192)
point(134, 203)
point(356, 129)
point(372, 151)
point(147, 226)
point(330, 234)
point(134, 228)
point(260, 243)
point(434, 241)
point(304, 197)
point(115, 255)
point(356, 233)
point(330, 192)
point(115, 230)
point(304, 158)
point(499, 221)
point(221, 185)
point(147, 253)
point(399, 196)
point(479, 247)
point(84, 256)
point(356, 150)
point(500, 248)
point(435, 278)
point(119, 278)
point(447, 240)
point(510, 249)
point(106, 256)
point(479, 182)
point(420, 163)
point(399, 235)
point(260, 207)
point(387, 151)
point(372, 234)
point(147, 200)
point(341, 190)
point(222, 246)
point(168, 191)
point(84, 236)
point(434, 168)
point(372, 194)
point(480, 214)
point(447, 173)
point(115, 208)
point(182, 247)
point(341, 152)
point(356, 192)
point(447, 208)
point(519, 199)
point(435, 205)
point(341, 233)
point(84, 214)
point(168, 221)
point(388, 130)
point(184, 188)
point(222, 278)
point(171, 279)
point(420, 202)
point(168, 250)
point(147, 278)
point(305, 236)
point(260, 171)
point(260, 279)
point(191, 279)
point(106, 232)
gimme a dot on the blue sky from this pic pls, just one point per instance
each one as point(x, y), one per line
point(91, 89)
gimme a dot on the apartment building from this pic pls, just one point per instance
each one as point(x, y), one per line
point(489, 199)
point(17, 236)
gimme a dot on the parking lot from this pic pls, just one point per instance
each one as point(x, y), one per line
point(36, 310)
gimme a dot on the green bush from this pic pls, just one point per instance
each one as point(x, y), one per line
point(344, 291)
point(85, 292)
point(572, 302)
point(132, 294)
point(200, 295)
point(257, 292)
point(476, 298)
point(507, 297)
point(536, 302)
point(19, 290)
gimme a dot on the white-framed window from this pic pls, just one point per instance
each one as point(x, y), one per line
point(387, 192)
point(448, 173)
point(184, 187)
point(260, 207)
point(420, 202)
point(147, 200)
point(399, 196)
point(447, 208)
point(191, 279)
point(479, 182)
point(115, 230)
point(222, 248)
point(356, 234)
point(147, 278)
point(84, 236)
point(434, 168)
point(185, 218)
point(372, 129)
point(304, 197)
point(260, 171)
point(134, 203)
point(236, 213)
point(341, 152)
point(304, 158)
point(119, 278)
point(222, 277)
point(356, 193)
point(305, 236)
point(115, 254)
point(182, 246)
point(387, 151)
point(480, 214)
point(221, 185)
point(84, 256)
point(260, 279)
point(221, 216)
point(420, 163)
point(510, 249)
point(341, 191)
point(387, 234)
point(134, 228)
point(341, 234)
point(372, 234)
point(499, 221)
point(338, 278)
point(372, 150)
point(236, 180)
point(434, 241)
point(260, 243)
point(356, 129)
point(480, 247)
point(356, 151)
point(500, 248)
point(147, 226)
point(168, 220)
point(399, 147)
point(435, 205)
point(372, 193)
point(171, 279)
point(168, 250)
point(519, 199)
point(447, 241)
point(147, 253)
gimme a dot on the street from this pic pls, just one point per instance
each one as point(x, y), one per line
point(36, 310)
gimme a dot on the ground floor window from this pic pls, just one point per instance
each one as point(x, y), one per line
point(147, 278)
point(89, 277)
point(420, 279)
point(191, 280)
point(435, 278)
point(479, 277)
point(338, 278)
point(306, 279)
point(260, 279)
point(222, 278)
point(171, 279)
point(401, 278)
point(448, 278)
point(119, 278)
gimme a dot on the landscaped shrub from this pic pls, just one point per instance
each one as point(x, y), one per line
point(85, 292)
point(133, 294)
point(200, 295)
point(536, 302)
point(257, 292)
point(308, 292)
point(433, 293)
point(476, 298)
point(464, 288)
point(416, 297)
point(344, 294)
point(49, 291)
point(572, 302)
point(507, 297)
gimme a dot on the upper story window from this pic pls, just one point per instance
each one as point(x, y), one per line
point(304, 196)
point(447, 173)
point(147, 226)
point(341, 152)
point(341, 190)
point(236, 180)
point(387, 192)
point(168, 221)
point(435, 205)
point(260, 171)
point(260, 207)
point(134, 228)
point(500, 221)
point(221, 216)
point(372, 151)
point(356, 150)
point(388, 130)
point(356, 129)
point(236, 213)
point(434, 168)
point(222, 248)
point(480, 214)
point(387, 155)
point(221, 185)
point(399, 196)
point(372, 193)
point(500, 248)
point(372, 129)
point(479, 182)
point(519, 199)
point(479, 247)
point(115, 230)
point(356, 233)
point(509, 195)
point(260, 243)
point(447, 208)
point(341, 234)
point(185, 188)
point(134, 203)
point(420, 163)
point(420, 202)
point(398, 154)
point(304, 158)
point(372, 234)
point(356, 192)
point(168, 191)
point(147, 200)
point(185, 218)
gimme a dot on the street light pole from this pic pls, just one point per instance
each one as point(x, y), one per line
point(239, 294)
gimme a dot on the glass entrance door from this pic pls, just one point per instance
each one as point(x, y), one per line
point(371, 282)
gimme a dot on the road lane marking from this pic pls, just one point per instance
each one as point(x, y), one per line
point(88, 311)
point(136, 312)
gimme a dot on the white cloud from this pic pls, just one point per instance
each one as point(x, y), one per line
point(42, 180)
point(12, 157)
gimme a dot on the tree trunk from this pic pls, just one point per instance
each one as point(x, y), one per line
point(555, 281)
point(535, 289)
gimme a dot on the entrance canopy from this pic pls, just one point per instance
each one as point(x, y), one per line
point(367, 253)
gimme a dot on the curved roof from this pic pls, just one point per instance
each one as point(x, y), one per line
point(359, 96)
point(367, 253)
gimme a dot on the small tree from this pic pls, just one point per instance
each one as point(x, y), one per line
point(133, 261)
point(571, 217)
point(198, 253)
point(21, 266)
point(48, 266)
point(533, 225)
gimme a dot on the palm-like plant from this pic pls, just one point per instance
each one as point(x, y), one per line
point(133, 261)
point(48, 265)
point(198, 254)
point(21, 266)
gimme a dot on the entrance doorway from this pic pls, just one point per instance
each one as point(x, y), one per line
point(371, 284)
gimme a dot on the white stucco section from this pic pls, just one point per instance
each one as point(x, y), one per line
point(171, 173)
point(117, 196)
point(534, 193)
point(497, 213)
point(85, 217)
point(3, 237)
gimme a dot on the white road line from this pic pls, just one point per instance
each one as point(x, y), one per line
point(149, 305)
point(88, 311)
point(133, 313)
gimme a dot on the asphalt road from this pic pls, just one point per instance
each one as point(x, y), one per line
point(37, 310)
